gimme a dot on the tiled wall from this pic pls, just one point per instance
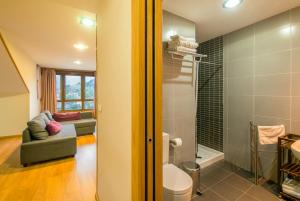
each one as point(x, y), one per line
point(210, 95)
point(262, 83)
point(179, 92)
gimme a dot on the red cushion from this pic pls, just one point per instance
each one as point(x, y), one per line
point(68, 116)
point(53, 127)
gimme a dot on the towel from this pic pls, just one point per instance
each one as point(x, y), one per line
point(181, 38)
point(182, 49)
point(270, 134)
point(291, 185)
point(187, 44)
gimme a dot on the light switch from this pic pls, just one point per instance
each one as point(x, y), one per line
point(99, 108)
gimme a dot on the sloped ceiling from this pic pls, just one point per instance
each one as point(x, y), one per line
point(9, 72)
point(213, 20)
point(47, 29)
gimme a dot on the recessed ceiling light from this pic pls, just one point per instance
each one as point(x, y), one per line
point(77, 62)
point(231, 3)
point(87, 22)
point(80, 46)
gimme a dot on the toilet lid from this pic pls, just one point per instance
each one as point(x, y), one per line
point(175, 180)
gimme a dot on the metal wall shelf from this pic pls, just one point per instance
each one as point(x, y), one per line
point(286, 166)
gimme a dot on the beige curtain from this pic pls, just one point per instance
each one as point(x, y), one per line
point(48, 90)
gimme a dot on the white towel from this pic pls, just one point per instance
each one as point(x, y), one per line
point(182, 49)
point(270, 134)
point(178, 37)
point(187, 44)
point(291, 185)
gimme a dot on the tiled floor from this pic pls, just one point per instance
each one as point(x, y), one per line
point(219, 183)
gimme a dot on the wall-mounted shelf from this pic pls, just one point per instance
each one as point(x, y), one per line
point(179, 55)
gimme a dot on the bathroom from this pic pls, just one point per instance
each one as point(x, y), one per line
point(245, 69)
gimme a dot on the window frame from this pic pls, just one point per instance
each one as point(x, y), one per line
point(82, 74)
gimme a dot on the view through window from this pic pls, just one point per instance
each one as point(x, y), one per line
point(75, 91)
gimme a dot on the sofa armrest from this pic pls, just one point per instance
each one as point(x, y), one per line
point(86, 115)
point(43, 150)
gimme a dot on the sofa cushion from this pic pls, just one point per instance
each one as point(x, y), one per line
point(45, 118)
point(53, 127)
point(67, 131)
point(68, 116)
point(82, 123)
point(49, 115)
point(86, 115)
point(37, 127)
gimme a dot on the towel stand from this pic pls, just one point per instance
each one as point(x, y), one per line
point(255, 160)
point(256, 165)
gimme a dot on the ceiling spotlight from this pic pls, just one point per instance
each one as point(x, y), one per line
point(77, 62)
point(231, 3)
point(87, 22)
point(80, 46)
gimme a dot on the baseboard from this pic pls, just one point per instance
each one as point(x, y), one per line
point(10, 136)
point(97, 197)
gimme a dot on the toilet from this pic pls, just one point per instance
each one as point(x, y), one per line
point(177, 184)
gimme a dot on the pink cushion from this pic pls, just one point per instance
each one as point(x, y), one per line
point(68, 116)
point(53, 127)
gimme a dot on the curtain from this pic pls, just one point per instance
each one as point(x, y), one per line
point(48, 90)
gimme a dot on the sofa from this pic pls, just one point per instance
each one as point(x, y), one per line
point(40, 146)
point(85, 125)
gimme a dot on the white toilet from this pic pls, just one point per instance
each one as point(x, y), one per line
point(178, 185)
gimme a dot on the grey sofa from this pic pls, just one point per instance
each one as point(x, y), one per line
point(57, 146)
point(85, 126)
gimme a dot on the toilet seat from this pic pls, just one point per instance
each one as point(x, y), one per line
point(176, 181)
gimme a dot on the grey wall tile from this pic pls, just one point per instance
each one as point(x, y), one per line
point(278, 62)
point(272, 106)
point(295, 127)
point(240, 86)
point(296, 108)
point(296, 84)
point(296, 60)
point(240, 67)
point(295, 15)
point(273, 85)
point(271, 35)
point(240, 44)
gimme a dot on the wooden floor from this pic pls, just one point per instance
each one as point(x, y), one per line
point(69, 179)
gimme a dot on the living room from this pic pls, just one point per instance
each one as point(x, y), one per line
point(47, 100)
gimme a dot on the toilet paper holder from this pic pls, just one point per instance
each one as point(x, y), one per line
point(176, 142)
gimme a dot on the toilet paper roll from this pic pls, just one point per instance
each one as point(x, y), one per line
point(176, 142)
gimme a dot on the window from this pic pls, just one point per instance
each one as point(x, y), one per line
point(75, 91)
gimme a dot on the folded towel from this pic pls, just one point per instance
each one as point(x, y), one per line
point(187, 44)
point(291, 184)
point(292, 193)
point(182, 49)
point(270, 134)
point(178, 37)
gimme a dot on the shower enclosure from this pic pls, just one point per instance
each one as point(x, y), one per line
point(209, 116)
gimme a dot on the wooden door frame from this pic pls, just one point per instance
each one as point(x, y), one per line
point(147, 100)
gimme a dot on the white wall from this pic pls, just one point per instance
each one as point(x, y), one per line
point(27, 68)
point(14, 114)
point(179, 105)
point(114, 94)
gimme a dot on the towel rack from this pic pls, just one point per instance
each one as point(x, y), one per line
point(254, 152)
point(178, 55)
point(255, 162)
